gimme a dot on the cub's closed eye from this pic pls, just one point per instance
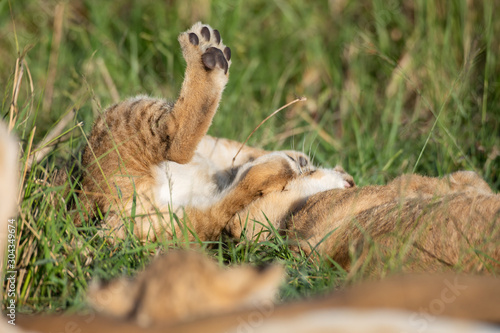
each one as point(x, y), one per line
point(303, 161)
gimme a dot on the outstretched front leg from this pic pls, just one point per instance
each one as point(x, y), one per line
point(208, 61)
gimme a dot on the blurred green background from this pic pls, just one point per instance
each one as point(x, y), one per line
point(377, 74)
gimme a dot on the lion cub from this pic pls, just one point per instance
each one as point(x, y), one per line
point(130, 141)
point(148, 158)
point(418, 223)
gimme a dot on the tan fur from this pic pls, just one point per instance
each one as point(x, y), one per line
point(430, 303)
point(222, 151)
point(185, 285)
point(8, 184)
point(427, 224)
point(267, 215)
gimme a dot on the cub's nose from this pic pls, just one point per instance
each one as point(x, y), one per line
point(348, 183)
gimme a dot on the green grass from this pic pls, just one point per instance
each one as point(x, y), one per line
point(406, 87)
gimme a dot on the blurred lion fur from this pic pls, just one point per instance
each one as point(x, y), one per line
point(407, 303)
point(8, 209)
point(185, 285)
point(426, 224)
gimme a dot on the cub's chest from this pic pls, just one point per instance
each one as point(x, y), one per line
point(190, 184)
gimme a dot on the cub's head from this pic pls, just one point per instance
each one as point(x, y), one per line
point(311, 180)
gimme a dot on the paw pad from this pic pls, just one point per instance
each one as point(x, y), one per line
point(212, 57)
point(227, 53)
point(205, 33)
point(214, 54)
point(217, 36)
point(193, 39)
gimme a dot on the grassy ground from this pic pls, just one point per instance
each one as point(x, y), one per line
point(409, 86)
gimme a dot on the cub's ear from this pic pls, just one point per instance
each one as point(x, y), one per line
point(116, 297)
point(252, 285)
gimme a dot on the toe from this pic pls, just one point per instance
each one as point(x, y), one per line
point(227, 53)
point(221, 61)
point(205, 32)
point(193, 39)
point(217, 36)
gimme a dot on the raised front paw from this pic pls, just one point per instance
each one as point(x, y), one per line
point(203, 45)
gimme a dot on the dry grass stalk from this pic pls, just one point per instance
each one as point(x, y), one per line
point(54, 55)
point(115, 96)
point(44, 147)
point(18, 75)
point(288, 133)
point(321, 132)
point(300, 99)
point(26, 164)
